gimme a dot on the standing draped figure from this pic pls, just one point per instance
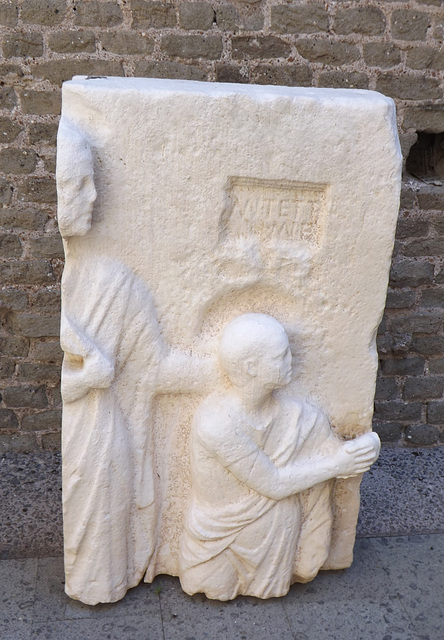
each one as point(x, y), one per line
point(113, 351)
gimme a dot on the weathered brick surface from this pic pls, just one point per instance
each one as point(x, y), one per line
point(27, 272)
point(7, 366)
point(227, 18)
point(400, 299)
point(388, 431)
point(72, 41)
point(368, 21)
point(6, 190)
point(289, 75)
point(97, 14)
point(8, 14)
point(42, 132)
point(398, 411)
point(51, 441)
point(391, 46)
point(42, 421)
point(47, 247)
point(386, 389)
point(168, 69)
point(25, 396)
point(233, 73)
point(424, 58)
point(422, 434)
point(431, 197)
point(28, 44)
point(381, 54)
point(158, 15)
point(8, 420)
point(30, 219)
point(127, 42)
point(196, 15)
point(41, 103)
point(410, 25)
point(343, 80)
point(411, 273)
point(433, 298)
point(423, 388)
point(48, 351)
point(329, 52)
point(309, 18)
point(427, 345)
point(436, 412)
point(46, 300)
point(9, 130)
point(18, 443)
point(12, 300)
point(411, 226)
point(40, 190)
point(256, 47)
point(403, 367)
point(428, 118)
point(34, 326)
point(209, 47)
point(14, 346)
point(17, 161)
point(37, 372)
point(10, 72)
point(44, 12)
point(406, 87)
point(436, 366)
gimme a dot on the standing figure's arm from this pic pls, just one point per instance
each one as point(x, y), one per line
point(182, 373)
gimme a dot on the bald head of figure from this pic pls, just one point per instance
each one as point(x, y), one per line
point(255, 346)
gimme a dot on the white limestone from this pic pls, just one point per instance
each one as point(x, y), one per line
point(260, 515)
point(183, 206)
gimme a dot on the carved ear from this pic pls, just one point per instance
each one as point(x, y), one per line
point(250, 367)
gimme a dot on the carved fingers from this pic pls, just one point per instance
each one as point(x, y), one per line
point(360, 454)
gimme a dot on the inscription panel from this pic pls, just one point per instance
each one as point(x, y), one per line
point(276, 209)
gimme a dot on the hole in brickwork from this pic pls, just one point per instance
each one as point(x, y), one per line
point(426, 158)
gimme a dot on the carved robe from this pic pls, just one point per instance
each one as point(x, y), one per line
point(109, 509)
point(236, 539)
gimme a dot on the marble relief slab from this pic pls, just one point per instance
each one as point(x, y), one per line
point(184, 206)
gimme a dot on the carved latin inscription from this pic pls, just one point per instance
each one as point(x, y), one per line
point(277, 209)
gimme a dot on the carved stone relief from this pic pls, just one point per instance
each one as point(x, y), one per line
point(227, 256)
point(276, 211)
point(260, 514)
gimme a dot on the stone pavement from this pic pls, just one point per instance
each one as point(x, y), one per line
point(393, 591)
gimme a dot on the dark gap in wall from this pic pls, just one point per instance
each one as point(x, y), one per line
point(426, 158)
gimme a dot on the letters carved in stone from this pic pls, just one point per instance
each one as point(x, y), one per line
point(276, 209)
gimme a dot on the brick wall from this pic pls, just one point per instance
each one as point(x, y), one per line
point(392, 46)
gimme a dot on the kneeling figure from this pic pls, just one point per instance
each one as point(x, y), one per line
point(260, 515)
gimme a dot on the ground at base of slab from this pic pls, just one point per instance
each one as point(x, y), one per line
point(393, 591)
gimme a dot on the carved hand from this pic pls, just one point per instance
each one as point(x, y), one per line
point(356, 456)
point(81, 374)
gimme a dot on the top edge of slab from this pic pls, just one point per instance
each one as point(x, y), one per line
point(361, 97)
